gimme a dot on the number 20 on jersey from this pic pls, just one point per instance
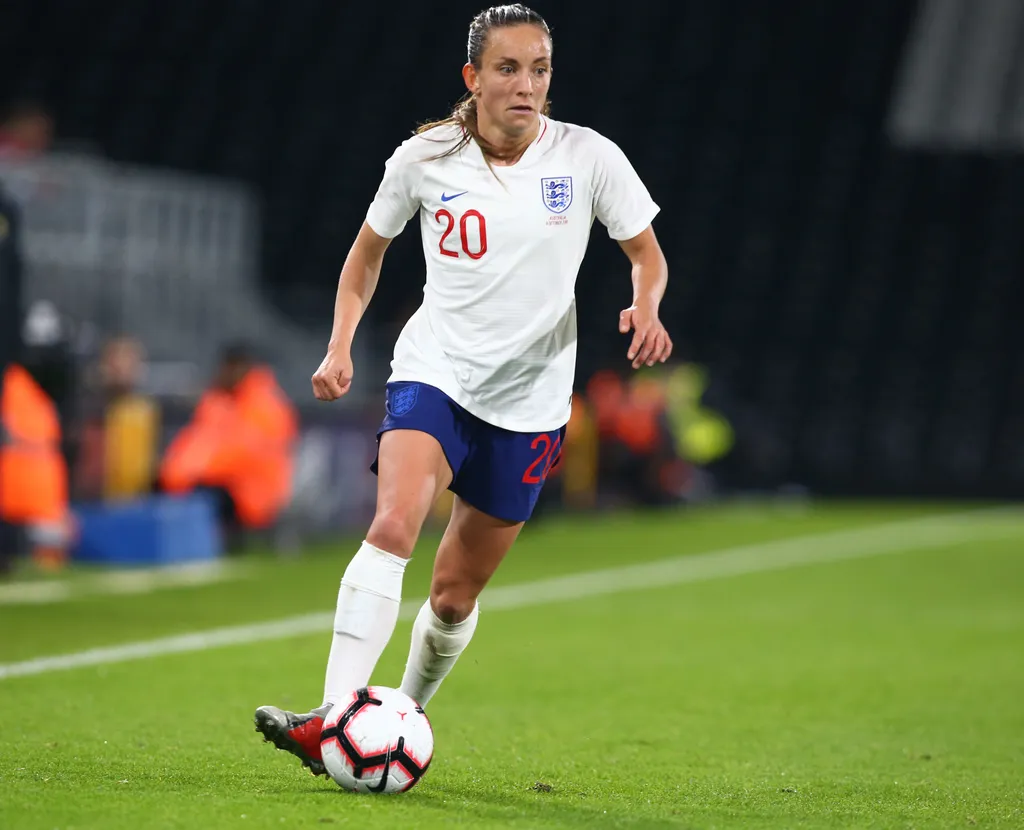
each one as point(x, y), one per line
point(445, 217)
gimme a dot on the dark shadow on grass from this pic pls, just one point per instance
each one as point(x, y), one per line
point(530, 808)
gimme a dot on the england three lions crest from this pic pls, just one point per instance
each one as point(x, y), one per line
point(557, 193)
point(401, 400)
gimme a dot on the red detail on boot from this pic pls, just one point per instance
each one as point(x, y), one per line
point(308, 737)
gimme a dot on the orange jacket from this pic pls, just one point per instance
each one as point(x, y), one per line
point(606, 393)
point(33, 472)
point(241, 440)
point(637, 420)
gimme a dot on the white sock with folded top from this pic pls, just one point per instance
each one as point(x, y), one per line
point(365, 618)
point(434, 649)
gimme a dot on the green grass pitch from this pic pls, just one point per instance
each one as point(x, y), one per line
point(884, 691)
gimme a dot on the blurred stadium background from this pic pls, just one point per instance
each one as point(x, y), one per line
point(842, 193)
point(842, 190)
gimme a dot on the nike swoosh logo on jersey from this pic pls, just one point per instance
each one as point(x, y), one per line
point(446, 198)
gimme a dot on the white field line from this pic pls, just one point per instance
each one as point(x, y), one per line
point(35, 593)
point(135, 581)
point(895, 537)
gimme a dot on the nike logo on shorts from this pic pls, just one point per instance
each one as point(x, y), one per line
point(446, 198)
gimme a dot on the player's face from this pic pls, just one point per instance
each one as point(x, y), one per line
point(512, 82)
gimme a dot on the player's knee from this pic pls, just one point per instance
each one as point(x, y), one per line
point(452, 602)
point(394, 531)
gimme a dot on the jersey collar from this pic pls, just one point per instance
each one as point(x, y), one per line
point(530, 154)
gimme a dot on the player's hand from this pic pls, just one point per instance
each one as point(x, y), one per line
point(334, 377)
point(651, 343)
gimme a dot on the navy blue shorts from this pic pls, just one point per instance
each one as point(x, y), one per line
point(497, 471)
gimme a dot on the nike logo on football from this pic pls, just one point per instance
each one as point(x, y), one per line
point(446, 198)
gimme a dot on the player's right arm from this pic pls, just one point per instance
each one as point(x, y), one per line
point(394, 205)
point(356, 285)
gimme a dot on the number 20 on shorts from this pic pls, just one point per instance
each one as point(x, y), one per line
point(545, 462)
point(445, 216)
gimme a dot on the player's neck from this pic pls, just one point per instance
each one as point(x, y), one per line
point(511, 148)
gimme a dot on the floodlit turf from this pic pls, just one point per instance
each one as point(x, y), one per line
point(869, 693)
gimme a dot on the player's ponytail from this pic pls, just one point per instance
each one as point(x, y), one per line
point(464, 113)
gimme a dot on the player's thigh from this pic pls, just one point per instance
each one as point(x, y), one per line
point(412, 471)
point(473, 547)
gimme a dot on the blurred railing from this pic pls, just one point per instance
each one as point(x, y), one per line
point(170, 259)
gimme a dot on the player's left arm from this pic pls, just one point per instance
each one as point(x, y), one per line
point(651, 343)
point(623, 205)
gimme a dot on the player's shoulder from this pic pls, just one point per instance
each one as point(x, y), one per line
point(426, 145)
point(580, 140)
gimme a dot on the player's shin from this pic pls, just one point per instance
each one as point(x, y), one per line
point(434, 649)
point(368, 603)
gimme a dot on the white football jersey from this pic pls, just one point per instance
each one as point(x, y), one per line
point(497, 328)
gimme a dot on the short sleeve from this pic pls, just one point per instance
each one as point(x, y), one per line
point(396, 201)
point(621, 201)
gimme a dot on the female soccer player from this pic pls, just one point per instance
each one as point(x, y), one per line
point(483, 372)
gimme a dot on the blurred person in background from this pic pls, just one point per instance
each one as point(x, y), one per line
point(26, 130)
point(578, 468)
point(637, 459)
point(656, 436)
point(10, 334)
point(33, 468)
point(119, 431)
point(701, 435)
point(239, 444)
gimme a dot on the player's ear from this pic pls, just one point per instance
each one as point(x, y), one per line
point(470, 78)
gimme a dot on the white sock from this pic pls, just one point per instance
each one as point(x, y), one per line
point(434, 649)
point(368, 601)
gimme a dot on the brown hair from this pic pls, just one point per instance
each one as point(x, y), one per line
point(464, 113)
